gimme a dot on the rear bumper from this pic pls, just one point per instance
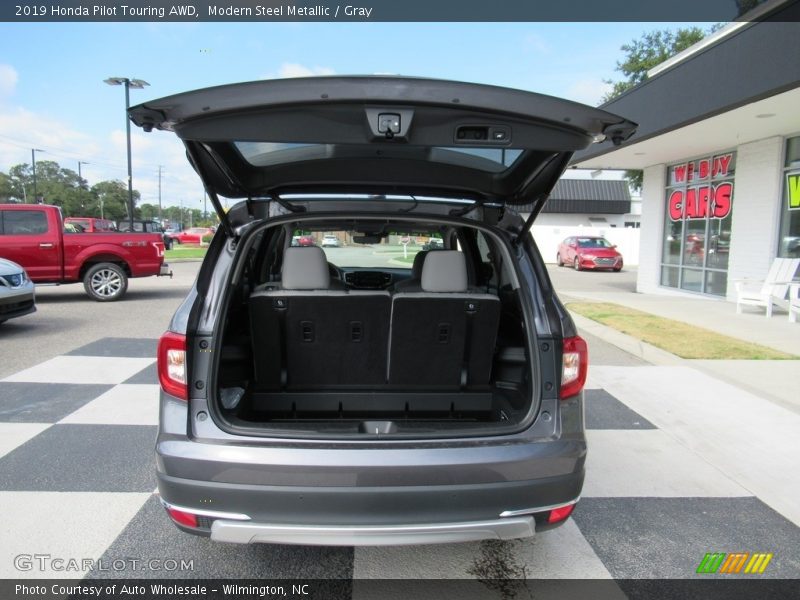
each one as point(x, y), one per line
point(394, 535)
point(375, 493)
point(369, 516)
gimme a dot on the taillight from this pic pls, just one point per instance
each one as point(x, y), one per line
point(574, 366)
point(159, 246)
point(184, 518)
point(172, 364)
point(559, 514)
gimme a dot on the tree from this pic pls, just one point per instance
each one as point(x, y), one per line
point(148, 212)
point(6, 188)
point(58, 186)
point(649, 51)
point(112, 196)
point(641, 55)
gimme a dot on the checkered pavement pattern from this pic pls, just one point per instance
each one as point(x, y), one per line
point(77, 481)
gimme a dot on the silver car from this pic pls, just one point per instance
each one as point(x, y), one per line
point(17, 296)
point(365, 396)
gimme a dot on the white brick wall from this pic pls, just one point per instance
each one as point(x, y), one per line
point(754, 228)
point(652, 229)
point(756, 209)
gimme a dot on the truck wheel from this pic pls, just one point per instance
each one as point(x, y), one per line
point(105, 282)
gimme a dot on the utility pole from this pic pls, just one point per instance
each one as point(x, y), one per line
point(80, 181)
point(160, 219)
point(33, 166)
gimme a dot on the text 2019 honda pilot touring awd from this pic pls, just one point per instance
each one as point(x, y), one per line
point(373, 393)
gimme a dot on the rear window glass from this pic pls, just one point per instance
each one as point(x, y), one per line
point(351, 249)
point(266, 154)
point(24, 222)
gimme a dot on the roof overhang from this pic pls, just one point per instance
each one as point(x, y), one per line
point(716, 98)
point(774, 116)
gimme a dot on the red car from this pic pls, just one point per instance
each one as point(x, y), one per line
point(193, 235)
point(303, 240)
point(589, 252)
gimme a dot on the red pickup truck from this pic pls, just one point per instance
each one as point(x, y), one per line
point(33, 235)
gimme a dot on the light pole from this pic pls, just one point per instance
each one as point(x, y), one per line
point(137, 84)
point(160, 217)
point(33, 166)
point(80, 181)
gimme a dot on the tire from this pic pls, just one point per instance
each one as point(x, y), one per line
point(105, 282)
point(577, 264)
point(176, 241)
point(559, 262)
point(617, 269)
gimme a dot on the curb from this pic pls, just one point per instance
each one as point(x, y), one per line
point(662, 358)
point(629, 344)
point(184, 260)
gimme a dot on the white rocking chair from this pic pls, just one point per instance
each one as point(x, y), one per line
point(794, 302)
point(772, 290)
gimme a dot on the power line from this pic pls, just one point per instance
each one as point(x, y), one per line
point(68, 154)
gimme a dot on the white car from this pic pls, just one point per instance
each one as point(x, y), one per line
point(17, 296)
point(330, 241)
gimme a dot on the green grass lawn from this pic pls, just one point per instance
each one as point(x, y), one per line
point(178, 252)
point(404, 259)
point(681, 339)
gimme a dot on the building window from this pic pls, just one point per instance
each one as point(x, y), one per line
point(697, 227)
point(789, 239)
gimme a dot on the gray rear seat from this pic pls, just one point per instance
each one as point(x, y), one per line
point(307, 336)
point(444, 336)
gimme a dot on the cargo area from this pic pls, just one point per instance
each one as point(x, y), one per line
point(430, 346)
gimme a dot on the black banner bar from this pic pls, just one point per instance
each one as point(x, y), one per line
point(711, 587)
point(389, 10)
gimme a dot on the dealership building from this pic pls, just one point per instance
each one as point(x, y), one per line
point(719, 145)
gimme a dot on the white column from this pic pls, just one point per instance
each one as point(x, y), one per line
point(756, 210)
point(652, 229)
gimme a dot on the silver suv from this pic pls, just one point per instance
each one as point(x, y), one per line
point(376, 393)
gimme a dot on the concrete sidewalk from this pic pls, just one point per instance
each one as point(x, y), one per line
point(775, 380)
point(710, 313)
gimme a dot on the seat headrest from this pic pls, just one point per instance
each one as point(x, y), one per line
point(416, 267)
point(305, 268)
point(444, 271)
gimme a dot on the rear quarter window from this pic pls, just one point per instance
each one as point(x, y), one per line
point(23, 222)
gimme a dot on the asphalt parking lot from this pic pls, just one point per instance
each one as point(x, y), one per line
point(78, 416)
point(66, 319)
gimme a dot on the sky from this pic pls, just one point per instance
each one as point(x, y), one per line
point(52, 95)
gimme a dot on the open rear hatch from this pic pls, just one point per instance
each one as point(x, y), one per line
point(383, 137)
point(379, 135)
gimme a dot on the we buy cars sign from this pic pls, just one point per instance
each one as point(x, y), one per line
point(706, 199)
